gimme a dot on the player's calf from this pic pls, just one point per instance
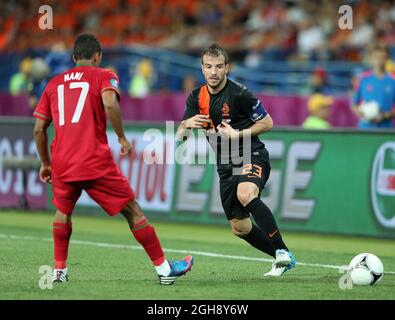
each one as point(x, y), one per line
point(241, 228)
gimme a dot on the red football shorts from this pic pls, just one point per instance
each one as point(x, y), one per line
point(112, 192)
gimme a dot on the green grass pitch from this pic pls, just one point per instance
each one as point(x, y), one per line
point(105, 262)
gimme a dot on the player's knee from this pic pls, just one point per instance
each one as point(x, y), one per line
point(133, 213)
point(132, 209)
point(61, 217)
point(245, 196)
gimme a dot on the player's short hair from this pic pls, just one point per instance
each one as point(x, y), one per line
point(215, 51)
point(85, 46)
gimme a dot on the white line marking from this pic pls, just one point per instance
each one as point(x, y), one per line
point(198, 253)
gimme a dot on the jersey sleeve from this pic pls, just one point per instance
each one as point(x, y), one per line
point(43, 108)
point(109, 81)
point(252, 106)
point(191, 107)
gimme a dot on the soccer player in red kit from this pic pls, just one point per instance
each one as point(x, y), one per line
point(77, 103)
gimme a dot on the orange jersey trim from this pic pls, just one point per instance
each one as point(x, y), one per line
point(204, 100)
point(204, 104)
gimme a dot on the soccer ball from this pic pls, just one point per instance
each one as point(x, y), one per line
point(366, 269)
point(370, 110)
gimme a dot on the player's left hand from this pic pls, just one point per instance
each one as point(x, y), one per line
point(226, 130)
point(45, 174)
point(126, 148)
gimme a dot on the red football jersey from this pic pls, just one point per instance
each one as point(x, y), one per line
point(73, 102)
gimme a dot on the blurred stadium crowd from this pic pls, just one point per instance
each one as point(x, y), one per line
point(276, 46)
point(287, 29)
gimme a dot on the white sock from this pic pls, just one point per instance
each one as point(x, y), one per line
point(163, 269)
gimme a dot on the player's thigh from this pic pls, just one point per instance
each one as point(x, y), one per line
point(112, 192)
point(231, 205)
point(256, 172)
point(65, 195)
point(247, 191)
point(226, 189)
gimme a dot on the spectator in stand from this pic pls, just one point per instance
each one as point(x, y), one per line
point(310, 39)
point(390, 67)
point(362, 33)
point(378, 87)
point(318, 106)
point(19, 82)
point(140, 86)
point(253, 31)
point(189, 83)
point(58, 59)
point(39, 79)
point(318, 83)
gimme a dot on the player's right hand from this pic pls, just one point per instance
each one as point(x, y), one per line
point(197, 121)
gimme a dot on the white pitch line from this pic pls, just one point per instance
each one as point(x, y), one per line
point(199, 253)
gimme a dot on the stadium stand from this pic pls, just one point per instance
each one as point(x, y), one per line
point(256, 33)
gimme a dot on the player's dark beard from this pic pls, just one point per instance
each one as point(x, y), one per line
point(218, 85)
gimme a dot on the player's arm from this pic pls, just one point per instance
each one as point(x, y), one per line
point(43, 120)
point(389, 114)
point(260, 126)
point(383, 116)
point(254, 109)
point(198, 121)
point(356, 110)
point(192, 119)
point(356, 99)
point(113, 111)
point(41, 140)
point(256, 129)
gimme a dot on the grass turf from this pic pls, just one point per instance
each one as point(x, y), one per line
point(119, 272)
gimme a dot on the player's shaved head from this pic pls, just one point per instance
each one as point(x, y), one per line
point(85, 46)
point(215, 51)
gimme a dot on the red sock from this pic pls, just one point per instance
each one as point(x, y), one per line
point(145, 234)
point(61, 238)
